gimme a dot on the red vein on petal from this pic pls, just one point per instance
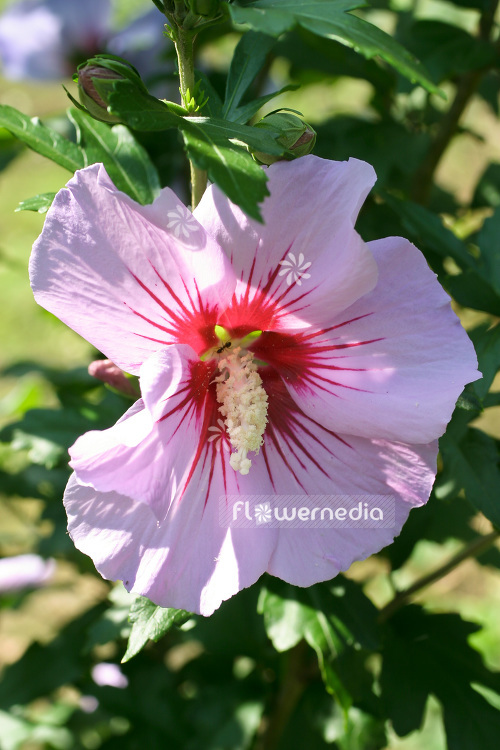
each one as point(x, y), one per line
point(319, 332)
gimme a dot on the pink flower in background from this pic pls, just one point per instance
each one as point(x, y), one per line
point(25, 571)
point(47, 39)
point(338, 386)
point(109, 674)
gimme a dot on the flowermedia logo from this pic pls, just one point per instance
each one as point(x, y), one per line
point(307, 511)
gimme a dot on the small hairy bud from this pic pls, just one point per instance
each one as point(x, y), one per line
point(89, 96)
point(95, 79)
point(296, 136)
point(109, 373)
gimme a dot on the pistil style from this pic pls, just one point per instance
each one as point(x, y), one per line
point(243, 404)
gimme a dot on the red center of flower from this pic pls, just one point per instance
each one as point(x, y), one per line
point(285, 361)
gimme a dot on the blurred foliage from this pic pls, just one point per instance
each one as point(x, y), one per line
point(276, 667)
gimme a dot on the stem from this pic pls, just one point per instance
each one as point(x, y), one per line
point(184, 45)
point(474, 549)
point(293, 685)
point(467, 85)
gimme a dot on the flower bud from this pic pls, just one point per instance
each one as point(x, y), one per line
point(296, 136)
point(89, 96)
point(109, 373)
point(95, 79)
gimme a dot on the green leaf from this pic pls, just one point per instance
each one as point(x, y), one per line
point(42, 139)
point(231, 168)
point(150, 622)
point(428, 230)
point(40, 203)
point(10, 147)
point(447, 50)
point(141, 111)
point(486, 342)
point(341, 600)
point(221, 129)
point(125, 160)
point(313, 58)
point(150, 114)
point(371, 41)
point(248, 59)
point(329, 616)
point(355, 730)
point(430, 653)
point(17, 733)
point(47, 433)
point(244, 113)
point(487, 192)
point(214, 105)
point(331, 19)
point(209, 144)
point(489, 245)
point(470, 290)
point(114, 622)
point(474, 461)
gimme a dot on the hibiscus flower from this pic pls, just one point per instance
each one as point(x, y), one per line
point(252, 384)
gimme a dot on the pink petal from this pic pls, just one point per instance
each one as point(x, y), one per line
point(117, 273)
point(310, 213)
point(193, 560)
point(375, 474)
point(189, 561)
point(148, 454)
point(390, 366)
point(312, 466)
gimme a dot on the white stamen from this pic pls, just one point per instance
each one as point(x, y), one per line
point(243, 404)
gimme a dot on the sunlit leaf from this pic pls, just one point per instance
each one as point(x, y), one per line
point(150, 623)
point(332, 20)
point(42, 139)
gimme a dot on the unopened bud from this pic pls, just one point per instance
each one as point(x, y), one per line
point(95, 80)
point(106, 371)
point(90, 97)
point(296, 136)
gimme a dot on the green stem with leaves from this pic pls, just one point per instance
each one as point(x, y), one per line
point(474, 549)
point(184, 45)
